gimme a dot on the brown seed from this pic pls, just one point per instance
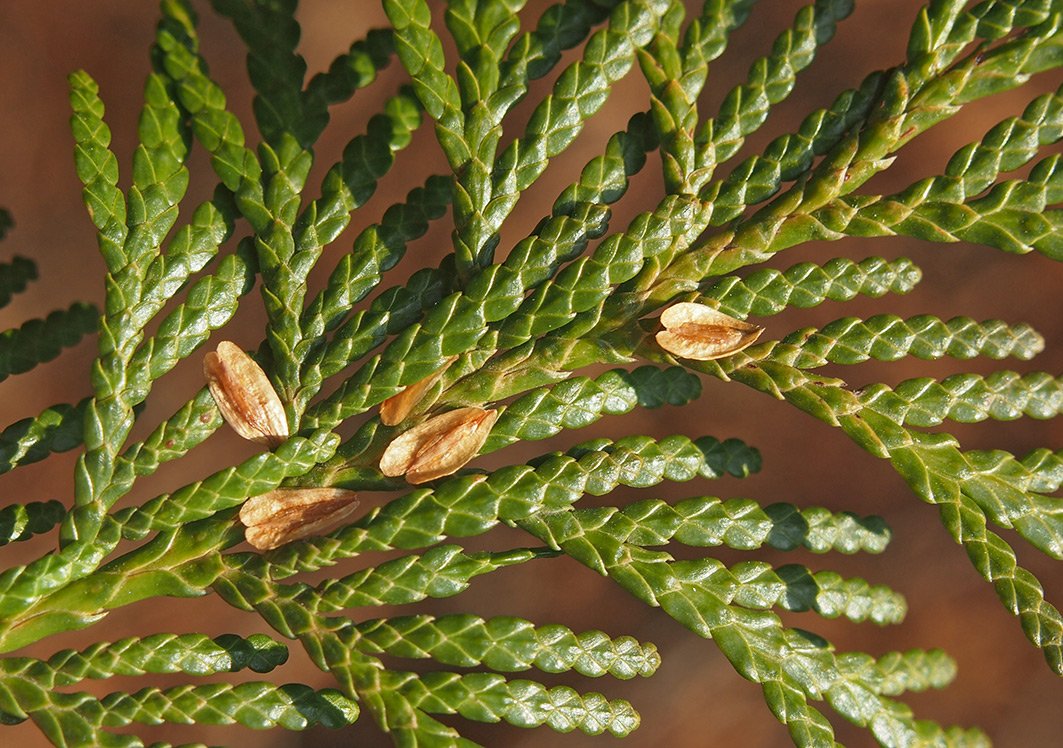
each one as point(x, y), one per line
point(246, 399)
point(439, 446)
point(286, 514)
point(395, 409)
point(701, 333)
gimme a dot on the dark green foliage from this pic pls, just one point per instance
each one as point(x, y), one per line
point(579, 292)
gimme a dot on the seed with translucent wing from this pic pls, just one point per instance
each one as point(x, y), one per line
point(246, 399)
point(286, 514)
point(395, 409)
point(439, 446)
point(701, 333)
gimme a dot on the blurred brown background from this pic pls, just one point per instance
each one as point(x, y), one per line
point(695, 699)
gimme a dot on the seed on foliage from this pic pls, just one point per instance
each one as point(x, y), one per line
point(286, 514)
point(395, 409)
point(701, 333)
point(439, 446)
point(246, 399)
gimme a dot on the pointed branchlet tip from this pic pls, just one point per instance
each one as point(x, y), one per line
point(286, 514)
point(701, 333)
point(246, 399)
point(439, 446)
point(395, 409)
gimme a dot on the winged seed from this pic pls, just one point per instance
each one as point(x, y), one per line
point(395, 409)
point(286, 514)
point(439, 446)
point(246, 399)
point(699, 332)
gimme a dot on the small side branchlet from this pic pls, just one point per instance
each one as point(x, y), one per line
point(246, 399)
point(439, 446)
point(599, 301)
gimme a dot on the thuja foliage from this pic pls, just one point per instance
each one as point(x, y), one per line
point(521, 327)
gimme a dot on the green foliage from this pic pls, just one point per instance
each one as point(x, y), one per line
point(580, 291)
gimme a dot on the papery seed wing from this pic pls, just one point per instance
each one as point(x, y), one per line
point(395, 409)
point(439, 446)
point(287, 514)
point(454, 449)
point(244, 395)
point(701, 333)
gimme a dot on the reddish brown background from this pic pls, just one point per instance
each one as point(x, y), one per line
point(695, 699)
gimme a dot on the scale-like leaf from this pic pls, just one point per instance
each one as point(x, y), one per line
point(554, 335)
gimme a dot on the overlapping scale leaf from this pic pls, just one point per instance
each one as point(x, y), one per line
point(999, 484)
point(1045, 470)
point(752, 640)
point(1015, 216)
point(443, 571)
point(228, 487)
point(192, 654)
point(677, 73)
point(580, 401)
point(458, 321)
point(464, 506)
point(585, 284)
point(180, 564)
point(376, 250)
point(771, 79)
point(1009, 145)
point(1002, 487)
point(485, 200)
point(892, 723)
point(759, 177)
point(346, 187)
point(488, 697)
point(965, 492)
point(768, 291)
point(23, 521)
point(508, 644)
point(861, 156)
point(482, 31)
point(159, 182)
point(576, 219)
point(350, 71)
point(941, 32)
point(256, 704)
point(897, 672)
point(887, 337)
point(55, 429)
point(421, 52)
point(40, 340)
point(743, 524)
point(586, 536)
point(192, 247)
point(791, 667)
point(217, 129)
point(97, 168)
point(160, 177)
point(828, 594)
point(391, 312)
point(23, 586)
point(967, 398)
point(15, 275)
point(275, 69)
point(210, 303)
point(579, 91)
point(189, 426)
